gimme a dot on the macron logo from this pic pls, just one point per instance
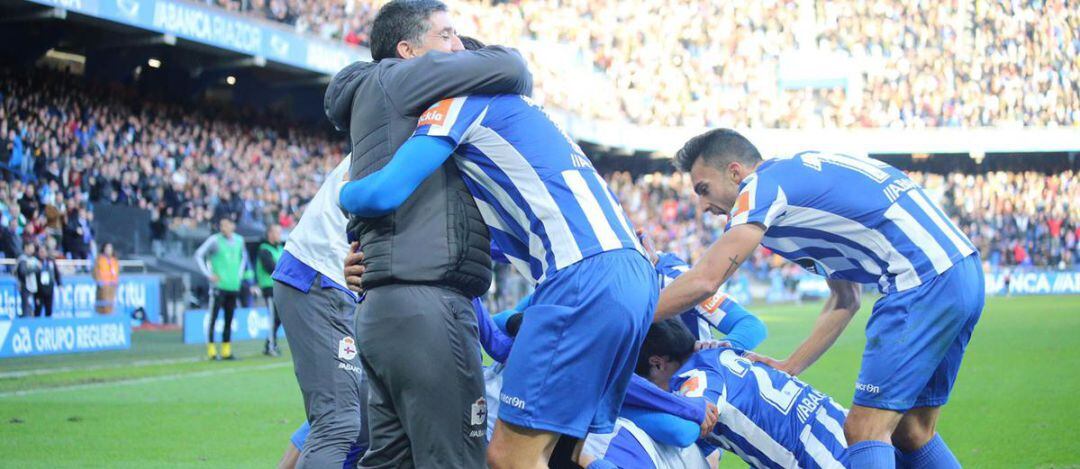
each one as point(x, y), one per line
point(870, 388)
point(512, 401)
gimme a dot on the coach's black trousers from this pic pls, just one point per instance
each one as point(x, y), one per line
point(426, 408)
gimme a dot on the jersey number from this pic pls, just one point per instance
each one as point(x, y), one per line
point(782, 399)
point(870, 168)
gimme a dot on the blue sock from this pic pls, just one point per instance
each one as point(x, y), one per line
point(933, 455)
point(870, 455)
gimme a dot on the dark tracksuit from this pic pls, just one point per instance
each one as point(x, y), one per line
point(416, 329)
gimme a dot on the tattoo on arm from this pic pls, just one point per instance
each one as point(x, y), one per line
point(734, 260)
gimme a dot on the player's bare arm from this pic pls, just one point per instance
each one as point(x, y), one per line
point(843, 303)
point(721, 260)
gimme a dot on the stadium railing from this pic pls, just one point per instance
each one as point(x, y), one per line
point(70, 265)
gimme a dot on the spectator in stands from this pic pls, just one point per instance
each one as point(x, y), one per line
point(26, 272)
point(10, 241)
point(77, 235)
point(48, 279)
point(107, 277)
point(29, 204)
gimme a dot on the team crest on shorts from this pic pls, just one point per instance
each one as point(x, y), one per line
point(346, 349)
point(479, 412)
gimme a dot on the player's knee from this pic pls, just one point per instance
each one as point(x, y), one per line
point(498, 455)
point(914, 431)
point(868, 424)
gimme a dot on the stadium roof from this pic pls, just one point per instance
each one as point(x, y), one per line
point(245, 40)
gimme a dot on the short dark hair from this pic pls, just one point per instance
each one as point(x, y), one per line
point(513, 324)
point(669, 338)
point(717, 147)
point(471, 43)
point(400, 20)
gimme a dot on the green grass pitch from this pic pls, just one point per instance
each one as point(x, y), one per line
point(160, 405)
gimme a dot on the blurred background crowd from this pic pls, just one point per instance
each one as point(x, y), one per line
point(67, 143)
point(906, 63)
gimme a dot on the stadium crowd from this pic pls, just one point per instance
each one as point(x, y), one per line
point(894, 63)
point(65, 145)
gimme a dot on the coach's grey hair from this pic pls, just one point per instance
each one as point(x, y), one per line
point(401, 20)
point(717, 147)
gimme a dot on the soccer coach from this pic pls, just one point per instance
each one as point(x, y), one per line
point(416, 328)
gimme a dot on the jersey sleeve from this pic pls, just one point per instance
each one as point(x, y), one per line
point(452, 118)
point(761, 200)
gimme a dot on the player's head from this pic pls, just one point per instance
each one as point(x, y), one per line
point(273, 233)
point(718, 161)
point(471, 43)
point(667, 345)
point(408, 29)
point(513, 324)
point(227, 226)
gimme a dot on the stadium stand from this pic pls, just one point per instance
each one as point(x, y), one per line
point(70, 144)
point(893, 63)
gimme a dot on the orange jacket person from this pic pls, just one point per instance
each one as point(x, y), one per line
point(107, 275)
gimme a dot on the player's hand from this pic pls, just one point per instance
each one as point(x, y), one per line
point(712, 415)
point(782, 365)
point(214, 279)
point(710, 344)
point(354, 268)
point(255, 291)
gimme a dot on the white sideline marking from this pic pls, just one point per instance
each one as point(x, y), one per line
point(150, 379)
point(65, 369)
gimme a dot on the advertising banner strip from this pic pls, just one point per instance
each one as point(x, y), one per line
point(46, 336)
point(75, 298)
point(248, 324)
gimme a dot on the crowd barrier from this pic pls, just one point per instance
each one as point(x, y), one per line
point(76, 296)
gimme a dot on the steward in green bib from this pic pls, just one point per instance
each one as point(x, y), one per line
point(265, 261)
point(223, 259)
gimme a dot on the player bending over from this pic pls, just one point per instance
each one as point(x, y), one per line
point(766, 417)
point(853, 220)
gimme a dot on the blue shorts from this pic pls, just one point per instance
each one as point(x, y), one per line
point(915, 340)
point(578, 345)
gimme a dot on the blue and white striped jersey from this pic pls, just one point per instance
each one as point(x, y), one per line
point(702, 318)
point(848, 218)
point(768, 418)
point(544, 203)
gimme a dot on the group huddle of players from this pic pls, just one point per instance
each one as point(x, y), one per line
point(688, 388)
point(610, 361)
